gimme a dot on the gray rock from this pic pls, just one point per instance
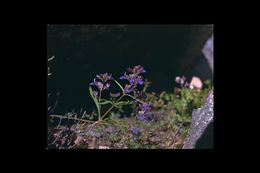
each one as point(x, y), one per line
point(208, 51)
point(201, 133)
point(90, 132)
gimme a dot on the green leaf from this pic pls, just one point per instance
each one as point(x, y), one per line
point(106, 102)
point(134, 98)
point(95, 100)
point(122, 103)
point(119, 85)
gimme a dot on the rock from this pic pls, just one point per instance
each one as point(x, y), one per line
point(201, 133)
point(90, 132)
point(197, 38)
point(208, 52)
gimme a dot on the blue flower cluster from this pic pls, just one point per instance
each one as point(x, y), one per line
point(144, 113)
point(134, 78)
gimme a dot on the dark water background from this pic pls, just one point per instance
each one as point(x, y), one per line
point(82, 51)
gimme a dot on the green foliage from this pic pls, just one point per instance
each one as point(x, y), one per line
point(133, 142)
point(106, 102)
point(171, 111)
point(182, 101)
point(95, 100)
point(117, 103)
point(114, 137)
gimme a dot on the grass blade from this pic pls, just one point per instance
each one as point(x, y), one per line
point(119, 85)
point(95, 100)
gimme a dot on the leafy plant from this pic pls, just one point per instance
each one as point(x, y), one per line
point(130, 90)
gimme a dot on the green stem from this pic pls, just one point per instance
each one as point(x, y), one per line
point(95, 100)
point(119, 85)
point(112, 106)
point(72, 118)
point(117, 102)
point(99, 99)
point(100, 118)
point(134, 98)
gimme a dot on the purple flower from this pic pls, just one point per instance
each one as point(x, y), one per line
point(104, 77)
point(114, 94)
point(142, 117)
point(133, 78)
point(135, 130)
point(95, 93)
point(144, 113)
point(106, 86)
point(124, 77)
point(127, 88)
point(140, 82)
point(132, 81)
point(101, 81)
point(146, 106)
point(97, 83)
point(136, 70)
point(140, 94)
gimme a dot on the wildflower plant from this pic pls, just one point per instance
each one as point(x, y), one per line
point(131, 90)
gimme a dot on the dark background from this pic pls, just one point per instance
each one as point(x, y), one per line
point(82, 51)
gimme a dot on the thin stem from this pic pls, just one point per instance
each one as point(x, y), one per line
point(107, 111)
point(82, 115)
point(56, 102)
point(72, 118)
point(94, 123)
point(134, 98)
point(118, 101)
point(59, 123)
point(99, 99)
point(112, 106)
point(175, 134)
point(119, 85)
